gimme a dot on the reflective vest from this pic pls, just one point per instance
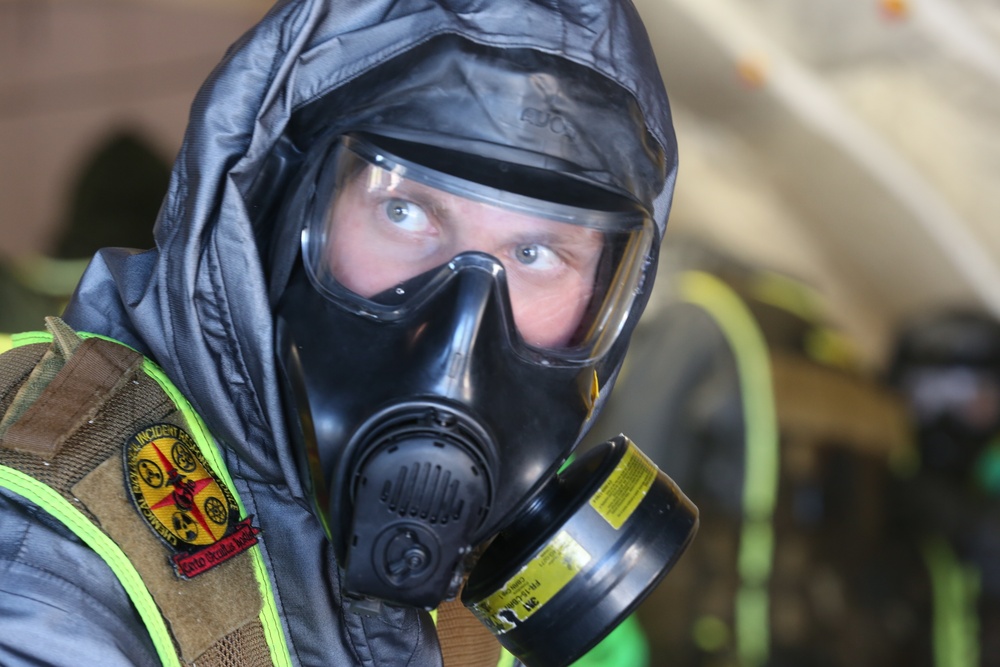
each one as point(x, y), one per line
point(68, 461)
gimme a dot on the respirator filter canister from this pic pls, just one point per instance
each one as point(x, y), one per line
point(593, 544)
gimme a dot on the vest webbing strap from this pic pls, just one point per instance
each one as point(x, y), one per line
point(269, 617)
point(464, 640)
point(94, 373)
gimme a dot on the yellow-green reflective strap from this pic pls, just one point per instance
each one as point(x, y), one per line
point(30, 337)
point(60, 508)
point(760, 484)
point(269, 617)
point(955, 590)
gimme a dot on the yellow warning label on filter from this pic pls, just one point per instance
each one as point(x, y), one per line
point(625, 487)
point(535, 584)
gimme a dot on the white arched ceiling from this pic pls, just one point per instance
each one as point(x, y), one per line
point(868, 131)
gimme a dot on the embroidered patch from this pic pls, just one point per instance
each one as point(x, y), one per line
point(185, 504)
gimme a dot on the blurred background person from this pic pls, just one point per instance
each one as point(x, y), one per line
point(946, 364)
point(115, 196)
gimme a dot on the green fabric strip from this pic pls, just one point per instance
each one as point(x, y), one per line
point(60, 508)
point(955, 589)
point(760, 486)
point(29, 337)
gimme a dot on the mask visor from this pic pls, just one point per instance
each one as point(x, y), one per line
point(381, 220)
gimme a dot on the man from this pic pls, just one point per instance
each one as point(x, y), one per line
point(945, 364)
point(395, 274)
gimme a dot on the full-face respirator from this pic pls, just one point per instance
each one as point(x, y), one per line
point(452, 431)
point(444, 338)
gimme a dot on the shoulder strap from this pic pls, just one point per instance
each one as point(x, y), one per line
point(44, 421)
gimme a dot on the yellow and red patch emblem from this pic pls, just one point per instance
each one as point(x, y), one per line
point(177, 494)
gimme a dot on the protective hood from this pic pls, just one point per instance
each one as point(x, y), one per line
point(199, 304)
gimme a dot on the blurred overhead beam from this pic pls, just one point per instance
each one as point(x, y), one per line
point(956, 33)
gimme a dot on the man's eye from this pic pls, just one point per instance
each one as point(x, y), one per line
point(406, 214)
point(536, 256)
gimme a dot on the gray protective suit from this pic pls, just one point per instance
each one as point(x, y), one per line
point(198, 305)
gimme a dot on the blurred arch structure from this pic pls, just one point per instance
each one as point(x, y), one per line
point(862, 157)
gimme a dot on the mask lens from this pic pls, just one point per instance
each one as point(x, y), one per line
point(570, 273)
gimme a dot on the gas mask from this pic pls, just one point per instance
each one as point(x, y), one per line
point(443, 339)
point(459, 328)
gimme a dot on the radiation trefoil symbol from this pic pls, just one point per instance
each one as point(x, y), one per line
point(185, 504)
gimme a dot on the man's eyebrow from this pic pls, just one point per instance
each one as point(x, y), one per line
point(432, 200)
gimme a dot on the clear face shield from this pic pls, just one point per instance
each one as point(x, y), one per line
point(571, 272)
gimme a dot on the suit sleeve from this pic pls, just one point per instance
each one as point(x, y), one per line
point(60, 604)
